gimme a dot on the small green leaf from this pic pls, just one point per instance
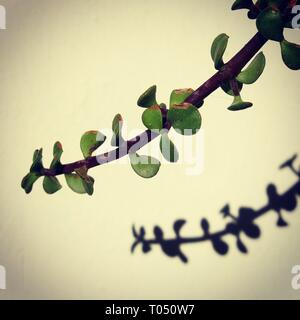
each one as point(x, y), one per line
point(57, 153)
point(254, 70)
point(178, 96)
point(144, 166)
point(242, 4)
point(239, 104)
point(290, 53)
point(148, 98)
point(37, 163)
point(218, 48)
point(152, 118)
point(185, 118)
point(270, 24)
point(168, 149)
point(28, 181)
point(90, 141)
point(75, 182)
point(117, 125)
point(51, 185)
point(227, 88)
point(88, 185)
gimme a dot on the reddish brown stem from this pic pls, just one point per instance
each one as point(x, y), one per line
point(228, 72)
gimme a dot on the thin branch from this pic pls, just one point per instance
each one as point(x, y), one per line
point(229, 71)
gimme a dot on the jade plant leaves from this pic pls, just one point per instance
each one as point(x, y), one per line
point(152, 118)
point(270, 24)
point(185, 118)
point(144, 166)
point(178, 96)
point(239, 104)
point(148, 98)
point(28, 181)
point(80, 185)
point(51, 185)
point(218, 48)
point(290, 54)
point(57, 153)
point(254, 70)
point(90, 141)
point(117, 125)
point(168, 149)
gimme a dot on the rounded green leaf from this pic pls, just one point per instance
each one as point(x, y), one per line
point(270, 24)
point(37, 163)
point(57, 153)
point(238, 104)
point(144, 166)
point(148, 98)
point(28, 181)
point(117, 125)
point(185, 118)
point(290, 53)
point(178, 96)
point(90, 141)
point(242, 4)
point(254, 70)
point(75, 183)
point(218, 48)
point(168, 149)
point(51, 185)
point(152, 118)
point(227, 88)
point(88, 185)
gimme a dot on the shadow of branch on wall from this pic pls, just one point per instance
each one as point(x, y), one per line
point(244, 222)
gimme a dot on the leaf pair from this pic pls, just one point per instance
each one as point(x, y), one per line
point(35, 171)
point(184, 117)
point(50, 183)
point(80, 182)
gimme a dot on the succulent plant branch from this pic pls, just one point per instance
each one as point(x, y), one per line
point(183, 115)
point(229, 71)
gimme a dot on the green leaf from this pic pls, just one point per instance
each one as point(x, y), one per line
point(254, 70)
point(117, 125)
point(242, 4)
point(168, 149)
point(37, 163)
point(152, 118)
point(270, 24)
point(238, 104)
point(290, 53)
point(90, 141)
point(148, 98)
point(28, 181)
point(178, 96)
point(51, 185)
point(88, 185)
point(144, 166)
point(75, 182)
point(218, 48)
point(185, 118)
point(227, 88)
point(57, 153)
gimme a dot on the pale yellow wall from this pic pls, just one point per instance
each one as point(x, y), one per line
point(67, 66)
